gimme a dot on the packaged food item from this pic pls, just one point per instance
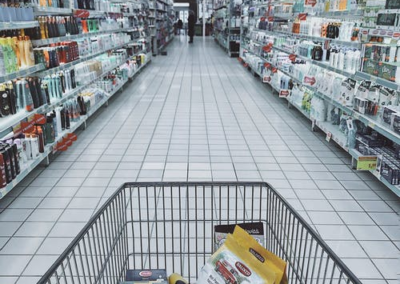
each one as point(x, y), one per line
point(233, 265)
point(261, 254)
point(176, 278)
point(256, 230)
point(136, 276)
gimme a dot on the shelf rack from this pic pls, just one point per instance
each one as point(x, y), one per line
point(8, 123)
point(334, 133)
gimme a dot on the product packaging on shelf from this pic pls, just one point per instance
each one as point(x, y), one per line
point(256, 230)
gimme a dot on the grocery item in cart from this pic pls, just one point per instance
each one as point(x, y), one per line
point(256, 230)
point(231, 264)
point(262, 255)
point(149, 276)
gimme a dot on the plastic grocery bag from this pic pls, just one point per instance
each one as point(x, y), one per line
point(234, 265)
point(261, 254)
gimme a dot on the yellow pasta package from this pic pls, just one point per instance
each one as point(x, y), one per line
point(231, 264)
point(262, 255)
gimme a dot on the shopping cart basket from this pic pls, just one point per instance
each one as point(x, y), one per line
point(170, 226)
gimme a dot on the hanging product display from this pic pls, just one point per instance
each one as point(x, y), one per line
point(337, 62)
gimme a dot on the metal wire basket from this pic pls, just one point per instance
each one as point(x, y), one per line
point(170, 226)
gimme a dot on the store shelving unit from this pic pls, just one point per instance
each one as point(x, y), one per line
point(139, 37)
point(227, 26)
point(160, 24)
point(255, 48)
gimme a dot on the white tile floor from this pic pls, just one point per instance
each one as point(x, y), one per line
point(198, 115)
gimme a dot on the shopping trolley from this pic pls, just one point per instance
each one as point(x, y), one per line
point(170, 226)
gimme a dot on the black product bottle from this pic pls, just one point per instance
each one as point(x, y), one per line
point(62, 81)
point(50, 134)
point(16, 158)
point(7, 163)
point(3, 177)
point(39, 91)
point(12, 98)
point(73, 82)
point(63, 120)
point(41, 139)
point(12, 161)
point(45, 90)
point(67, 118)
point(317, 53)
point(32, 89)
point(4, 101)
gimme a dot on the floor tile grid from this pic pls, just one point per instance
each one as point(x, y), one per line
point(355, 237)
point(47, 235)
point(168, 90)
point(213, 117)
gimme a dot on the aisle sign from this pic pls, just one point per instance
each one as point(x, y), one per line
point(266, 79)
point(310, 2)
point(309, 80)
point(367, 163)
point(284, 93)
point(328, 136)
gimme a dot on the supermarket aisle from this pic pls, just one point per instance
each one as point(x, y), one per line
point(198, 115)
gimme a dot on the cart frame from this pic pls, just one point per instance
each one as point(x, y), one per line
point(169, 225)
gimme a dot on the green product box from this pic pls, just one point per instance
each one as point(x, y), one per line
point(371, 67)
point(388, 71)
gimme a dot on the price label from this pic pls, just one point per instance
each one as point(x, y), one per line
point(292, 57)
point(284, 93)
point(371, 124)
point(268, 65)
point(266, 79)
point(328, 136)
point(367, 163)
point(274, 70)
point(270, 19)
point(267, 48)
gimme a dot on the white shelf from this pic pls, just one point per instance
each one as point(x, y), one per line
point(41, 42)
point(18, 25)
point(38, 10)
point(22, 73)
